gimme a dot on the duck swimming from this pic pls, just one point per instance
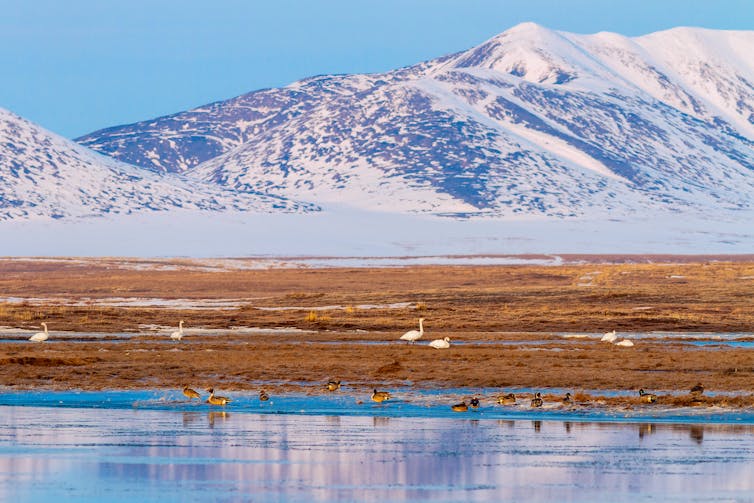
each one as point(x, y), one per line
point(333, 385)
point(380, 396)
point(217, 400)
point(567, 398)
point(697, 390)
point(460, 407)
point(647, 397)
point(509, 399)
point(474, 403)
point(537, 400)
point(263, 396)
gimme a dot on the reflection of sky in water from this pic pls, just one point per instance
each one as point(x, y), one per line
point(55, 454)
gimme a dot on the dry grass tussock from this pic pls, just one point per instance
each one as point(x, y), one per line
point(465, 303)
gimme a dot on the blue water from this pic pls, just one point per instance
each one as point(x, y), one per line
point(118, 454)
point(405, 402)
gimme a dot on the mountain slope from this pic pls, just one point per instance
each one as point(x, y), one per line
point(532, 122)
point(45, 175)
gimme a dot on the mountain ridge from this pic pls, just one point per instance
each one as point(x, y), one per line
point(46, 176)
point(532, 121)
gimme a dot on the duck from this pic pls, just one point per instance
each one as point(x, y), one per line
point(625, 343)
point(441, 343)
point(414, 335)
point(609, 337)
point(537, 400)
point(460, 407)
point(567, 398)
point(178, 334)
point(474, 403)
point(217, 400)
point(190, 393)
point(263, 396)
point(380, 396)
point(697, 390)
point(333, 385)
point(509, 399)
point(647, 397)
point(40, 336)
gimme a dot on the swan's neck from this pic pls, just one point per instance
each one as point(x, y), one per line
point(180, 326)
point(45, 326)
point(421, 327)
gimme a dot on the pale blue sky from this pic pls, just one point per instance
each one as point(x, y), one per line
point(79, 65)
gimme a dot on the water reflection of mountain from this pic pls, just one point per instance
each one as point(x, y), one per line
point(325, 458)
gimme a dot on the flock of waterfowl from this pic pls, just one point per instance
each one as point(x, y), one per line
point(411, 336)
point(379, 397)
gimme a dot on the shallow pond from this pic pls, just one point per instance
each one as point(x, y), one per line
point(140, 446)
point(58, 454)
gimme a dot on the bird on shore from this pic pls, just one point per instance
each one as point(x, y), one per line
point(190, 393)
point(567, 398)
point(263, 396)
point(509, 399)
point(216, 400)
point(647, 397)
point(625, 343)
point(380, 396)
point(609, 337)
point(460, 407)
point(333, 385)
point(178, 334)
point(474, 403)
point(441, 343)
point(40, 336)
point(697, 390)
point(414, 335)
point(537, 400)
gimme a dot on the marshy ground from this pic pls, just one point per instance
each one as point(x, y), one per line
point(343, 323)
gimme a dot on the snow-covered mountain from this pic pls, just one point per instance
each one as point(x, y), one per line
point(531, 122)
point(45, 175)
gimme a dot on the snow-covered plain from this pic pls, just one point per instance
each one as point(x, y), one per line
point(351, 233)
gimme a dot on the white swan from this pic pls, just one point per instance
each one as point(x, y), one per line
point(625, 343)
point(609, 337)
point(40, 336)
point(414, 335)
point(178, 334)
point(441, 343)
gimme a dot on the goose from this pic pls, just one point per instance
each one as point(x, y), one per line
point(647, 397)
point(441, 343)
point(609, 337)
point(414, 335)
point(537, 400)
point(567, 398)
point(625, 343)
point(380, 396)
point(474, 403)
point(509, 399)
point(190, 393)
point(178, 334)
point(697, 390)
point(263, 396)
point(333, 385)
point(216, 400)
point(40, 336)
point(460, 407)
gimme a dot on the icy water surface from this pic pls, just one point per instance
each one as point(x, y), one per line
point(63, 454)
